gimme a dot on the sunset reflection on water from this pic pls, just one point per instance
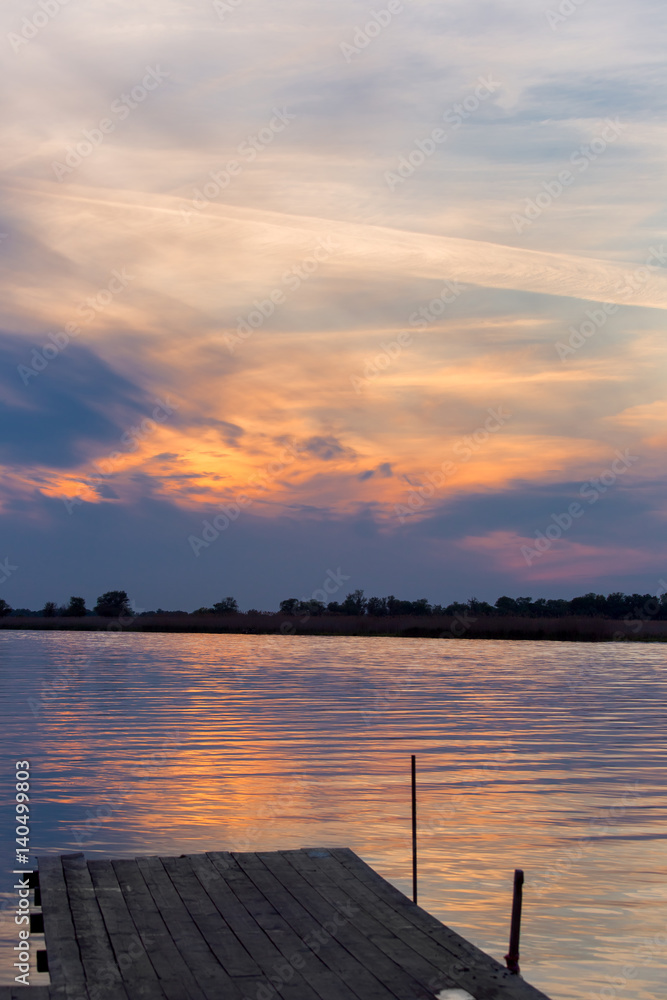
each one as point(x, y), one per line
point(544, 756)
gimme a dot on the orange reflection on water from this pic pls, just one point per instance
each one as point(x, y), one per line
point(533, 755)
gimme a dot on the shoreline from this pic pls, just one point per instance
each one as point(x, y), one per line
point(566, 629)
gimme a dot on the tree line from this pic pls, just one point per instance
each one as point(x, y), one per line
point(614, 605)
point(113, 604)
point(116, 604)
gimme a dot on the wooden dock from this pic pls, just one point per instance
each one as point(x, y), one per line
point(312, 924)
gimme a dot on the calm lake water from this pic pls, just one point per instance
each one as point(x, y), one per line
point(545, 756)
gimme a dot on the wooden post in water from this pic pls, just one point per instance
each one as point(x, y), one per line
point(512, 956)
point(414, 830)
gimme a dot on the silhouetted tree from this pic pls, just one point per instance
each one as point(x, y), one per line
point(506, 606)
point(377, 606)
point(355, 603)
point(393, 605)
point(113, 604)
point(76, 608)
point(617, 605)
point(456, 608)
point(289, 606)
point(49, 609)
point(589, 604)
point(642, 606)
point(557, 608)
point(4, 608)
point(396, 607)
point(421, 607)
point(311, 607)
point(477, 608)
point(226, 607)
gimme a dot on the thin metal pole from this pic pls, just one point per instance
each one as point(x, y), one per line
point(414, 829)
point(512, 956)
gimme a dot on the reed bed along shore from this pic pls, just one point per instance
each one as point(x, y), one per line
point(566, 629)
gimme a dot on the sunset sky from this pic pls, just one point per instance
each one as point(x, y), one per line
point(313, 289)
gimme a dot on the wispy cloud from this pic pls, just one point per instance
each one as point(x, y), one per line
point(216, 183)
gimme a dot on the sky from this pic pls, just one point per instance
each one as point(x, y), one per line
point(315, 291)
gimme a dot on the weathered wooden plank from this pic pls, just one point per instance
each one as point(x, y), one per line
point(222, 941)
point(303, 950)
point(244, 926)
point(376, 917)
point(154, 933)
point(314, 924)
point(411, 914)
point(404, 949)
point(319, 923)
point(97, 956)
point(486, 978)
point(330, 873)
point(65, 968)
point(210, 976)
point(224, 882)
point(139, 975)
point(367, 952)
